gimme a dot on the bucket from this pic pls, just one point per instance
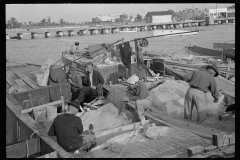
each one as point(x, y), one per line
point(51, 112)
point(40, 114)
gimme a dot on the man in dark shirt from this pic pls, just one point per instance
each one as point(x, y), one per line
point(200, 82)
point(94, 84)
point(75, 80)
point(68, 129)
point(137, 91)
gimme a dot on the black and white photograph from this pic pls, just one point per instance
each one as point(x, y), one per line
point(120, 80)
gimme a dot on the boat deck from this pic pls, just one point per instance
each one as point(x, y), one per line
point(171, 141)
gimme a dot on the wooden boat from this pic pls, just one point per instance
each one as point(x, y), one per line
point(196, 50)
point(109, 72)
point(127, 31)
point(179, 32)
point(28, 138)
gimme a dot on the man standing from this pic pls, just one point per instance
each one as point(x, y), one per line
point(137, 91)
point(75, 80)
point(200, 82)
point(68, 129)
point(94, 84)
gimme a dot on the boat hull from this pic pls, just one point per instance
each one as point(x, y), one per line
point(127, 31)
point(195, 50)
point(181, 32)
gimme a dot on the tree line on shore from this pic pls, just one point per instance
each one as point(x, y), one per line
point(12, 23)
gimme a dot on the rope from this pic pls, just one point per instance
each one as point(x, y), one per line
point(30, 139)
point(27, 149)
point(30, 98)
point(128, 142)
point(132, 135)
point(57, 62)
point(63, 108)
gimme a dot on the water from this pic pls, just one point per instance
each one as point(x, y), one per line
point(37, 51)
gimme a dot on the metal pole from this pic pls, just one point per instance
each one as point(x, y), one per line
point(216, 10)
point(193, 12)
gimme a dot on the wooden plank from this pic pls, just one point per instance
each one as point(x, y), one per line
point(28, 80)
point(9, 78)
point(20, 82)
point(21, 85)
point(37, 128)
point(41, 106)
point(180, 124)
point(105, 135)
point(19, 150)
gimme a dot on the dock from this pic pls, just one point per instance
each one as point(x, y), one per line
point(81, 31)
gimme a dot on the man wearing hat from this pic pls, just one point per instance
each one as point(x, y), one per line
point(75, 80)
point(200, 82)
point(137, 91)
point(68, 129)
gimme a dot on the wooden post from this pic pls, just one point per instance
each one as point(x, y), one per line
point(41, 106)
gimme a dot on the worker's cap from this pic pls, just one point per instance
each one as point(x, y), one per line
point(133, 79)
point(74, 103)
point(215, 68)
point(73, 66)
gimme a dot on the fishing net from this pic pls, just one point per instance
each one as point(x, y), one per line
point(169, 98)
point(104, 118)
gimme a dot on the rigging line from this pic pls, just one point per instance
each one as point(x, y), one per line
point(159, 36)
point(93, 52)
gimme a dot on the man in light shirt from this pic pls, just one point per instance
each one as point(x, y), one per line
point(94, 83)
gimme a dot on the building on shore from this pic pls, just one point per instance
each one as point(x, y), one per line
point(216, 12)
point(103, 19)
point(231, 11)
point(158, 17)
point(189, 14)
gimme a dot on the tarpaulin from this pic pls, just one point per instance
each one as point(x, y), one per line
point(125, 54)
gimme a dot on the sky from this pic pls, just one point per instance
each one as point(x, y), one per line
point(85, 12)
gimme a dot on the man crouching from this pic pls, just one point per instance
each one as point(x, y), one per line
point(68, 129)
point(137, 91)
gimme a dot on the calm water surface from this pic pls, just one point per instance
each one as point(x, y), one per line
point(39, 50)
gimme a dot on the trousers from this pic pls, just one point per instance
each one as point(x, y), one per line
point(200, 100)
point(143, 104)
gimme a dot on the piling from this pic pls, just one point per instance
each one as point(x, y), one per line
point(71, 33)
point(47, 34)
point(20, 35)
point(59, 33)
point(34, 35)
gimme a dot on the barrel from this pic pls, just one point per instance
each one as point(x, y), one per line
point(51, 112)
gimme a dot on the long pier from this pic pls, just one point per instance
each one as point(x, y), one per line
point(71, 31)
